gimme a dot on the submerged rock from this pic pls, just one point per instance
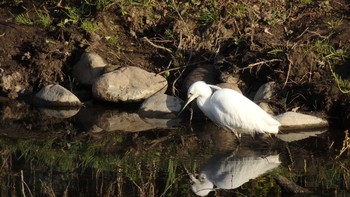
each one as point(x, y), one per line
point(56, 95)
point(128, 84)
point(88, 68)
point(297, 121)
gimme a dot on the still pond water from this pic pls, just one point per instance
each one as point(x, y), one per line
point(104, 151)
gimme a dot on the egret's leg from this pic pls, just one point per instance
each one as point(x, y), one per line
point(238, 136)
point(191, 115)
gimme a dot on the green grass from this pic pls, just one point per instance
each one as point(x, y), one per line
point(90, 26)
point(327, 56)
point(44, 18)
point(24, 19)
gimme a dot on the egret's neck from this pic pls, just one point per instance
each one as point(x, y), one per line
point(203, 98)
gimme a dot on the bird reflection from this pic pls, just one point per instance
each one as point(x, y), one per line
point(231, 171)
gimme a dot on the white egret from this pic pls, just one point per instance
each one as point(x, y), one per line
point(231, 110)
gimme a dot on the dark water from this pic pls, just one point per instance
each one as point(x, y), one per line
point(103, 151)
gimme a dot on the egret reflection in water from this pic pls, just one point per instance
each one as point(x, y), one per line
point(231, 171)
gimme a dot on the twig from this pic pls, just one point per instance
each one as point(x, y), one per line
point(250, 66)
point(23, 183)
point(307, 29)
point(289, 68)
point(172, 69)
point(263, 62)
point(156, 46)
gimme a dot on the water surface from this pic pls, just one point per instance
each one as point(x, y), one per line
point(105, 151)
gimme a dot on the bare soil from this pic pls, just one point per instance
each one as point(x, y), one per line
point(259, 47)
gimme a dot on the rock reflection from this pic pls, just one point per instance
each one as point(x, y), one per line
point(229, 171)
point(297, 135)
point(116, 120)
point(59, 113)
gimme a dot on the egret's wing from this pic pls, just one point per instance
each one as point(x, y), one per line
point(214, 87)
point(233, 110)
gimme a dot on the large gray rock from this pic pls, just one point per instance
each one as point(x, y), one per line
point(160, 106)
point(56, 95)
point(128, 84)
point(297, 121)
point(161, 110)
point(88, 68)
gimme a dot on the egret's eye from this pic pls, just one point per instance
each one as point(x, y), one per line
point(202, 177)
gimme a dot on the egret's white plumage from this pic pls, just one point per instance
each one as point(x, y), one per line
point(231, 110)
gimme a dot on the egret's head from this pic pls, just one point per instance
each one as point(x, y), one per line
point(202, 186)
point(195, 90)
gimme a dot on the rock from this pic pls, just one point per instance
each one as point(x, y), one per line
point(265, 92)
point(128, 84)
point(160, 110)
point(229, 78)
point(206, 72)
point(232, 86)
point(161, 106)
point(88, 68)
point(56, 95)
point(266, 107)
point(297, 121)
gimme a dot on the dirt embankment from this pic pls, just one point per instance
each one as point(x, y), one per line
point(303, 46)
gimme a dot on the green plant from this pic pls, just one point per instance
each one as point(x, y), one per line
point(114, 41)
point(334, 23)
point(346, 144)
point(343, 85)
point(306, 2)
point(98, 4)
point(238, 10)
point(169, 34)
point(73, 15)
point(327, 55)
point(276, 50)
point(24, 19)
point(208, 16)
point(45, 19)
point(90, 26)
point(275, 17)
